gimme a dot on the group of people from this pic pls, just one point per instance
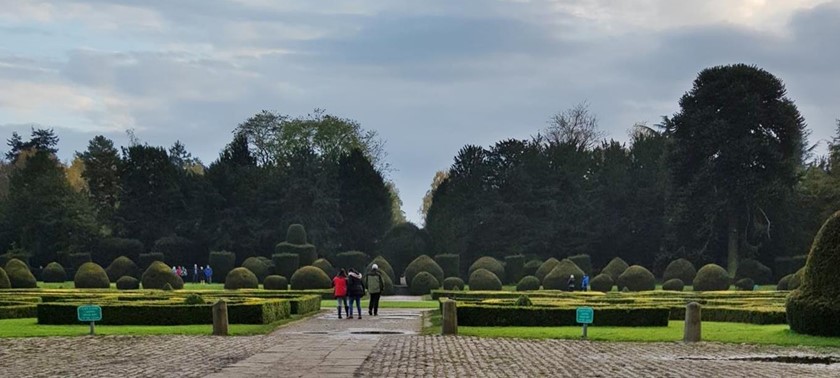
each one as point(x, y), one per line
point(349, 288)
point(584, 283)
point(201, 274)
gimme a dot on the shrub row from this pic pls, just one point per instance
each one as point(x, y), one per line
point(502, 316)
point(735, 315)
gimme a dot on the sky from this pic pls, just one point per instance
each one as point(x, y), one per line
point(429, 76)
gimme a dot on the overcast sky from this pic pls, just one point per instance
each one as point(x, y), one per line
point(428, 76)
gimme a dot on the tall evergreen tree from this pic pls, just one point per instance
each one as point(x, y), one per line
point(364, 203)
point(102, 166)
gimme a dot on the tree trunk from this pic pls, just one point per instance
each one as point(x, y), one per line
point(732, 255)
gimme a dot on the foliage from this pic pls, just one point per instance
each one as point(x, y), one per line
point(241, 278)
point(275, 282)
point(19, 275)
point(310, 277)
point(422, 283)
point(324, 265)
point(222, 262)
point(194, 299)
point(530, 268)
point(673, 284)
point(615, 268)
point(109, 249)
point(470, 315)
point(423, 264)
point(453, 283)
point(285, 264)
point(158, 275)
point(523, 301)
point(755, 270)
point(796, 280)
point(402, 244)
point(364, 202)
point(584, 262)
point(450, 263)
point(711, 277)
point(178, 250)
point(352, 259)
point(146, 259)
point(559, 277)
point(602, 282)
point(53, 272)
point(4, 280)
point(75, 260)
point(528, 283)
point(784, 282)
point(483, 279)
point(637, 278)
point(681, 269)
point(255, 266)
point(102, 165)
point(128, 283)
point(546, 268)
point(514, 268)
point(489, 263)
point(296, 234)
point(120, 267)
point(745, 284)
point(91, 276)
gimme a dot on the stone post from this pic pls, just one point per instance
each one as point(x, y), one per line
point(220, 318)
point(692, 323)
point(450, 317)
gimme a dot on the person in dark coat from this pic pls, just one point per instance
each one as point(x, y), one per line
point(374, 285)
point(355, 291)
point(572, 282)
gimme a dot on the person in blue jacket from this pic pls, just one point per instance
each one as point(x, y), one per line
point(208, 274)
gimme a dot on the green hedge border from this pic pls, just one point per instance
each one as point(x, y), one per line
point(470, 315)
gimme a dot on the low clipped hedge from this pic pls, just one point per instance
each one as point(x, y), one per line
point(674, 284)
point(472, 315)
point(602, 282)
point(285, 264)
point(490, 264)
point(257, 311)
point(19, 275)
point(158, 275)
point(53, 272)
point(91, 276)
point(484, 280)
point(615, 267)
point(19, 311)
point(528, 283)
point(275, 282)
point(681, 269)
point(453, 283)
point(309, 278)
point(754, 270)
point(423, 283)
point(711, 277)
point(128, 283)
point(324, 265)
point(241, 278)
point(637, 278)
point(257, 266)
point(352, 260)
point(514, 268)
point(450, 263)
point(734, 315)
point(120, 267)
point(423, 263)
point(222, 262)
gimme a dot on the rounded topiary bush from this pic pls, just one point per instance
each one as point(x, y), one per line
point(4, 280)
point(19, 275)
point(681, 269)
point(122, 266)
point(241, 278)
point(489, 263)
point(711, 277)
point(546, 268)
point(310, 277)
point(389, 285)
point(453, 283)
point(423, 263)
point(637, 278)
point(674, 284)
point(784, 282)
point(813, 308)
point(602, 282)
point(194, 299)
point(615, 267)
point(384, 267)
point(755, 270)
point(53, 272)
point(745, 284)
point(523, 301)
point(483, 279)
point(296, 234)
point(91, 276)
point(423, 283)
point(158, 275)
point(256, 266)
point(558, 279)
point(450, 263)
point(275, 282)
point(128, 283)
point(528, 283)
point(324, 265)
point(530, 268)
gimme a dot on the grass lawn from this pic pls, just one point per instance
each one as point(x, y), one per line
point(29, 327)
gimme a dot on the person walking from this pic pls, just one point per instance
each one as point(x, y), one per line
point(339, 283)
point(572, 282)
point(374, 285)
point(584, 283)
point(201, 274)
point(208, 274)
point(355, 291)
point(195, 273)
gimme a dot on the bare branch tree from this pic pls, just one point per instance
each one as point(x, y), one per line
point(576, 126)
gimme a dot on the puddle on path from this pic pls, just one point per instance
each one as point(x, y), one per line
point(806, 360)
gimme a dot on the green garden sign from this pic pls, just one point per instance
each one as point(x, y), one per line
point(89, 313)
point(585, 316)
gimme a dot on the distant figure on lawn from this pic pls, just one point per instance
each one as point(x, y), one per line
point(201, 274)
point(584, 283)
point(195, 273)
point(374, 285)
point(208, 274)
point(572, 282)
point(339, 284)
point(355, 290)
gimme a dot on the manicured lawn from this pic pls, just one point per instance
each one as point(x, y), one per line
point(777, 334)
point(29, 327)
point(331, 304)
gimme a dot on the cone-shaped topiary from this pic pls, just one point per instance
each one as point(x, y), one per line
point(813, 308)
point(423, 283)
point(325, 265)
point(241, 278)
point(602, 282)
point(158, 275)
point(19, 275)
point(528, 283)
point(489, 263)
point(275, 282)
point(91, 276)
point(54, 272)
point(615, 267)
point(4, 280)
point(384, 267)
point(674, 284)
point(584, 262)
point(558, 279)
point(423, 263)
point(784, 283)
point(310, 277)
point(453, 283)
point(483, 279)
point(530, 268)
point(745, 284)
point(711, 277)
point(637, 278)
point(285, 264)
point(122, 266)
point(257, 267)
point(681, 269)
point(450, 263)
point(546, 268)
point(753, 269)
point(128, 283)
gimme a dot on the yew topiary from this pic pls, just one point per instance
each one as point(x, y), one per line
point(91, 276)
point(746, 284)
point(453, 283)
point(128, 283)
point(450, 263)
point(384, 267)
point(324, 265)
point(275, 282)
point(490, 264)
point(257, 266)
point(637, 278)
point(558, 279)
point(546, 268)
point(584, 262)
point(674, 284)
point(423, 263)
point(784, 283)
point(53, 272)
point(530, 268)
point(681, 269)
point(528, 283)
point(296, 243)
point(602, 282)
point(241, 278)
point(310, 278)
point(423, 283)
point(158, 275)
point(483, 279)
point(120, 267)
point(615, 267)
point(755, 270)
point(19, 275)
point(285, 264)
point(711, 277)
point(4, 280)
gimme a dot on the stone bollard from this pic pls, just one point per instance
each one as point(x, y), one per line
point(450, 317)
point(692, 323)
point(220, 318)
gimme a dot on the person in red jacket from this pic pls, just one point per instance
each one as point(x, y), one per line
point(339, 284)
